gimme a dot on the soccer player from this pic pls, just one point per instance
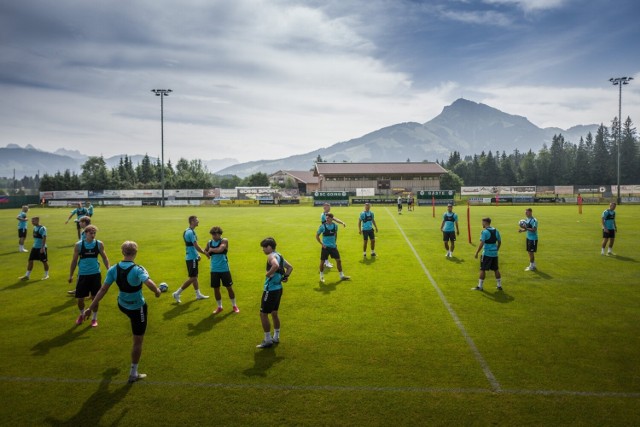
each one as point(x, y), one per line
point(326, 208)
point(399, 205)
point(38, 250)
point(366, 223)
point(217, 249)
point(449, 229)
point(22, 228)
point(89, 209)
point(531, 227)
point(192, 258)
point(410, 201)
point(609, 228)
point(490, 242)
point(80, 211)
point(85, 256)
point(129, 277)
point(84, 222)
point(278, 271)
point(329, 231)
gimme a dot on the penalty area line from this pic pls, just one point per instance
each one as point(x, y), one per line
point(495, 385)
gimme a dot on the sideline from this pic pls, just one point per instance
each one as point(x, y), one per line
point(495, 385)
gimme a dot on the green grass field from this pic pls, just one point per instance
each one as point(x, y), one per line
point(404, 342)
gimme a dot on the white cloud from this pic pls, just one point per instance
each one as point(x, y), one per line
point(531, 5)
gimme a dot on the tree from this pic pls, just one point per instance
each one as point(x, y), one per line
point(600, 171)
point(259, 179)
point(629, 173)
point(582, 175)
point(451, 181)
point(95, 175)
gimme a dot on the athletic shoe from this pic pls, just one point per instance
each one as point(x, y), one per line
point(236, 309)
point(345, 278)
point(276, 340)
point(176, 297)
point(138, 377)
point(365, 256)
point(94, 323)
point(321, 279)
point(217, 310)
point(477, 288)
point(23, 250)
point(530, 269)
point(24, 278)
point(80, 319)
point(328, 264)
point(200, 296)
point(499, 287)
point(71, 292)
point(610, 254)
point(45, 277)
point(265, 344)
point(373, 254)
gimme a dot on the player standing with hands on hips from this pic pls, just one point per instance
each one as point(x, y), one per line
point(449, 229)
point(192, 258)
point(609, 228)
point(490, 242)
point(366, 223)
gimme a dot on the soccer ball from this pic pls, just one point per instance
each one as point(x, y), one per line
point(163, 287)
point(522, 223)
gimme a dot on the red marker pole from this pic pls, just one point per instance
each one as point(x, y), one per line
point(433, 205)
point(469, 220)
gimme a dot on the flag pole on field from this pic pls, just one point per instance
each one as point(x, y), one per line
point(469, 220)
point(433, 205)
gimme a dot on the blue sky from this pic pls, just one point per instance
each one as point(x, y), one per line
point(263, 79)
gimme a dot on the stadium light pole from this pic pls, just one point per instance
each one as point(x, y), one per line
point(619, 81)
point(162, 93)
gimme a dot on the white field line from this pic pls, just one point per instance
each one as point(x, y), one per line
point(495, 385)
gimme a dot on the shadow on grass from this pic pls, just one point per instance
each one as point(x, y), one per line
point(327, 288)
point(66, 246)
point(58, 308)
point(456, 260)
point(368, 261)
point(18, 284)
point(10, 253)
point(206, 324)
point(178, 309)
point(43, 347)
point(263, 360)
point(624, 258)
point(99, 403)
point(543, 275)
point(498, 296)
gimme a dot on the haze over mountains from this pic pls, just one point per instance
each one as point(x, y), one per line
point(464, 126)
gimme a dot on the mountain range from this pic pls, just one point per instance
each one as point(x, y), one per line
point(464, 126)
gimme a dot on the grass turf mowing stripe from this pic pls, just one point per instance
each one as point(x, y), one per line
point(495, 385)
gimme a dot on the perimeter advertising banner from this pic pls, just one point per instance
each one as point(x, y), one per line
point(339, 198)
point(438, 194)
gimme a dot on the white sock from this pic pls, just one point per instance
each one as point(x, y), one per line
point(373, 252)
point(499, 282)
point(365, 253)
point(28, 273)
point(480, 282)
point(276, 333)
point(219, 301)
point(267, 336)
point(179, 291)
point(233, 302)
point(134, 370)
point(341, 274)
point(95, 315)
point(46, 273)
point(609, 250)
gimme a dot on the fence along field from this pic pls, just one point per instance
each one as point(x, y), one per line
point(561, 344)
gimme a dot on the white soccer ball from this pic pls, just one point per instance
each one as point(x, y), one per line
point(163, 287)
point(522, 223)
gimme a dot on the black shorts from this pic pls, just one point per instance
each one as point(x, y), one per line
point(192, 267)
point(448, 236)
point(489, 263)
point(532, 245)
point(399, 206)
point(35, 255)
point(610, 235)
point(88, 284)
point(138, 319)
point(270, 301)
point(224, 278)
point(324, 254)
point(368, 234)
point(22, 232)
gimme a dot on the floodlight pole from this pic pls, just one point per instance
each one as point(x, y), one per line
point(619, 81)
point(162, 93)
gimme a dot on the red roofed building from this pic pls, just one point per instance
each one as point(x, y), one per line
point(305, 181)
point(381, 176)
